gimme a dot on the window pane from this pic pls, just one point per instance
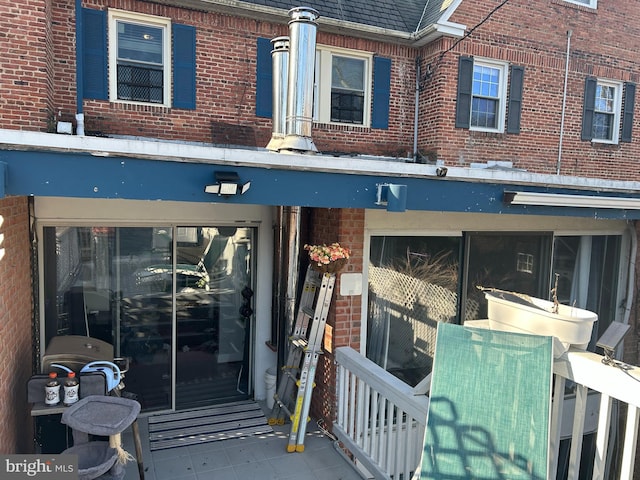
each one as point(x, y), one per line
point(347, 107)
point(605, 99)
point(347, 73)
point(413, 285)
point(140, 84)
point(603, 126)
point(484, 113)
point(513, 262)
point(486, 81)
point(140, 43)
point(587, 271)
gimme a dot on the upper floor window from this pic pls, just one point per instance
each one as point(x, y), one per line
point(343, 87)
point(149, 60)
point(606, 116)
point(351, 87)
point(607, 104)
point(139, 58)
point(488, 96)
point(482, 100)
point(586, 3)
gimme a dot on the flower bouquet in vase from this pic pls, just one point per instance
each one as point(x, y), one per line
point(328, 258)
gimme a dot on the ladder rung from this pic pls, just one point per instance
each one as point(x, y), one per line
point(300, 343)
point(314, 280)
point(309, 312)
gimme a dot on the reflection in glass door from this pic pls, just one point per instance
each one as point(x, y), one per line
point(213, 311)
point(186, 312)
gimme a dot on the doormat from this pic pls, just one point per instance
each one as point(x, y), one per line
point(203, 425)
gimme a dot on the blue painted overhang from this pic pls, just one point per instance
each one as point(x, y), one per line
point(85, 175)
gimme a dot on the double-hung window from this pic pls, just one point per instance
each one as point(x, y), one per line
point(139, 58)
point(606, 115)
point(351, 87)
point(343, 87)
point(347, 89)
point(607, 111)
point(489, 96)
point(130, 57)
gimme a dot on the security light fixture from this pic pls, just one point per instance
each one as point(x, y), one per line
point(611, 338)
point(393, 196)
point(227, 184)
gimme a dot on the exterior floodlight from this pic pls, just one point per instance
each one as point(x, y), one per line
point(227, 184)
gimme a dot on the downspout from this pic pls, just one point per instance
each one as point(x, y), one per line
point(564, 102)
point(415, 113)
point(631, 276)
point(286, 273)
point(79, 70)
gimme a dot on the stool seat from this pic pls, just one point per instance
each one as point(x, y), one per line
point(101, 415)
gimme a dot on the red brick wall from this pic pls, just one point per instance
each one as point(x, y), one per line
point(26, 79)
point(535, 36)
point(226, 64)
point(345, 226)
point(15, 325)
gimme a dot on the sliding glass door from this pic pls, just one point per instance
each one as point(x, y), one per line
point(176, 301)
point(213, 309)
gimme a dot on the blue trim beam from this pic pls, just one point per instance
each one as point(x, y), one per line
point(87, 176)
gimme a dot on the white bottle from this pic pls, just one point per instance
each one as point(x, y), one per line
point(71, 387)
point(52, 390)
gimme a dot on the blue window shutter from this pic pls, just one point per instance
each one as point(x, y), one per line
point(465, 86)
point(515, 99)
point(184, 66)
point(264, 79)
point(588, 107)
point(94, 55)
point(627, 114)
point(381, 92)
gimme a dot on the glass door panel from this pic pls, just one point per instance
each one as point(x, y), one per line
point(112, 283)
point(122, 285)
point(516, 262)
point(213, 311)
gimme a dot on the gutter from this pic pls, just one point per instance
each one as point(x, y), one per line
point(261, 158)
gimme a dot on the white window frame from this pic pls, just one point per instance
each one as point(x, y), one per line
point(322, 84)
point(142, 19)
point(617, 111)
point(503, 67)
point(584, 3)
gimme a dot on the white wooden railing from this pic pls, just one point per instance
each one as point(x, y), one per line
point(381, 420)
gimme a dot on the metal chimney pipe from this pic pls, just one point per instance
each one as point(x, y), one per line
point(302, 63)
point(280, 66)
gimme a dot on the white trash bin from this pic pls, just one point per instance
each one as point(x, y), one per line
point(270, 379)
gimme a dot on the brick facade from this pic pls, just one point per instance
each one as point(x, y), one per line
point(42, 89)
point(15, 324)
point(226, 87)
point(345, 226)
point(535, 36)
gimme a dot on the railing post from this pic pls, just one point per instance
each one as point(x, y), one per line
point(630, 443)
point(602, 438)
